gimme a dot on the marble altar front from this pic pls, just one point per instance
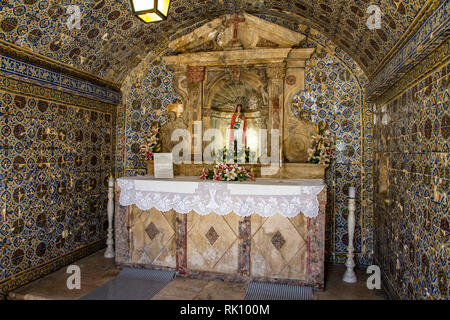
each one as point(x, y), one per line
point(272, 245)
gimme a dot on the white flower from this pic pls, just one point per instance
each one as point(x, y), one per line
point(231, 175)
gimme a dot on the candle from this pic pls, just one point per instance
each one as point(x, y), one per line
point(351, 192)
point(281, 157)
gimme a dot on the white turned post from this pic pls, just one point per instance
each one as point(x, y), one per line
point(349, 275)
point(109, 253)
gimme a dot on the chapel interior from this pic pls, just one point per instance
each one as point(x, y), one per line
point(337, 111)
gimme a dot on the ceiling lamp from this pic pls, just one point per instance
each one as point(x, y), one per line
point(150, 10)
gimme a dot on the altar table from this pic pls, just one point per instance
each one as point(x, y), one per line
point(267, 230)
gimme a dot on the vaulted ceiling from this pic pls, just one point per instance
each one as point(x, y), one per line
point(111, 41)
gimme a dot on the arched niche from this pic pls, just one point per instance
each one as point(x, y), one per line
point(229, 88)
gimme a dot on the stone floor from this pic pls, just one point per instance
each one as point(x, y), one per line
point(96, 270)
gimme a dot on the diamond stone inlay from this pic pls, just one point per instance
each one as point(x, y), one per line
point(212, 236)
point(278, 240)
point(152, 231)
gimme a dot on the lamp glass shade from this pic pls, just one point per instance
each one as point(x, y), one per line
point(143, 5)
point(150, 17)
point(163, 7)
point(151, 10)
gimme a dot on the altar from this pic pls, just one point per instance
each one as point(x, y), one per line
point(266, 230)
point(235, 80)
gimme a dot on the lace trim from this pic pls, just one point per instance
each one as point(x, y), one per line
point(215, 197)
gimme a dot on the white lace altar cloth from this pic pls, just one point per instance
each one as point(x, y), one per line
point(265, 197)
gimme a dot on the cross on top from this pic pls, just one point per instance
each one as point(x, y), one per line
point(235, 21)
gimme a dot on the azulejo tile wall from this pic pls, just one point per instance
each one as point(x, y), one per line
point(55, 158)
point(145, 104)
point(413, 185)
point(333, 93)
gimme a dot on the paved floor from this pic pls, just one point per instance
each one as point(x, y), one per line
point(96, 270)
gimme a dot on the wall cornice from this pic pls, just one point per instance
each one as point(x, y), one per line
point(21, 87)
point(15, 53)
point(434, 31)
point(424, 13)
point(40, 60)
point(434, 61)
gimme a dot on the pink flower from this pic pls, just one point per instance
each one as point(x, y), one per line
point(251, 174)
point(204, 174)
point(148, 155)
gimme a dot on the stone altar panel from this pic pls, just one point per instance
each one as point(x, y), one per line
point(212, 242)
point(152, 237)
point(279, 247)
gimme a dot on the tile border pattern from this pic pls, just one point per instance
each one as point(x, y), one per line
point(422, 15)
point(431, 34)
point(36, 59)
point(37, 91)
point(432, 62)
point(25, 71)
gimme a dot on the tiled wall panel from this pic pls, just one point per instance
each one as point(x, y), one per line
point(55, 160)
point(412, 137)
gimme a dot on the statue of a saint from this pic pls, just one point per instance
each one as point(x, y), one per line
point(238, 128)
point(173, 122)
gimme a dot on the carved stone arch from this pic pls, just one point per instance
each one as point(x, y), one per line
point(223, 90)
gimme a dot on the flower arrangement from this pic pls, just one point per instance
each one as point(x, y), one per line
point(150, 143)
point(227, 172)
point(322, 147)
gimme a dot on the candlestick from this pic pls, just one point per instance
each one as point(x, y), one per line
point(351, 192)
point(349, 275)
point(109, 253)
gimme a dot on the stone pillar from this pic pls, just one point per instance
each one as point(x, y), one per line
point(206, 110)
point(195, 78)
point(276, 74)
point(121, 229)
point(315, 274)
